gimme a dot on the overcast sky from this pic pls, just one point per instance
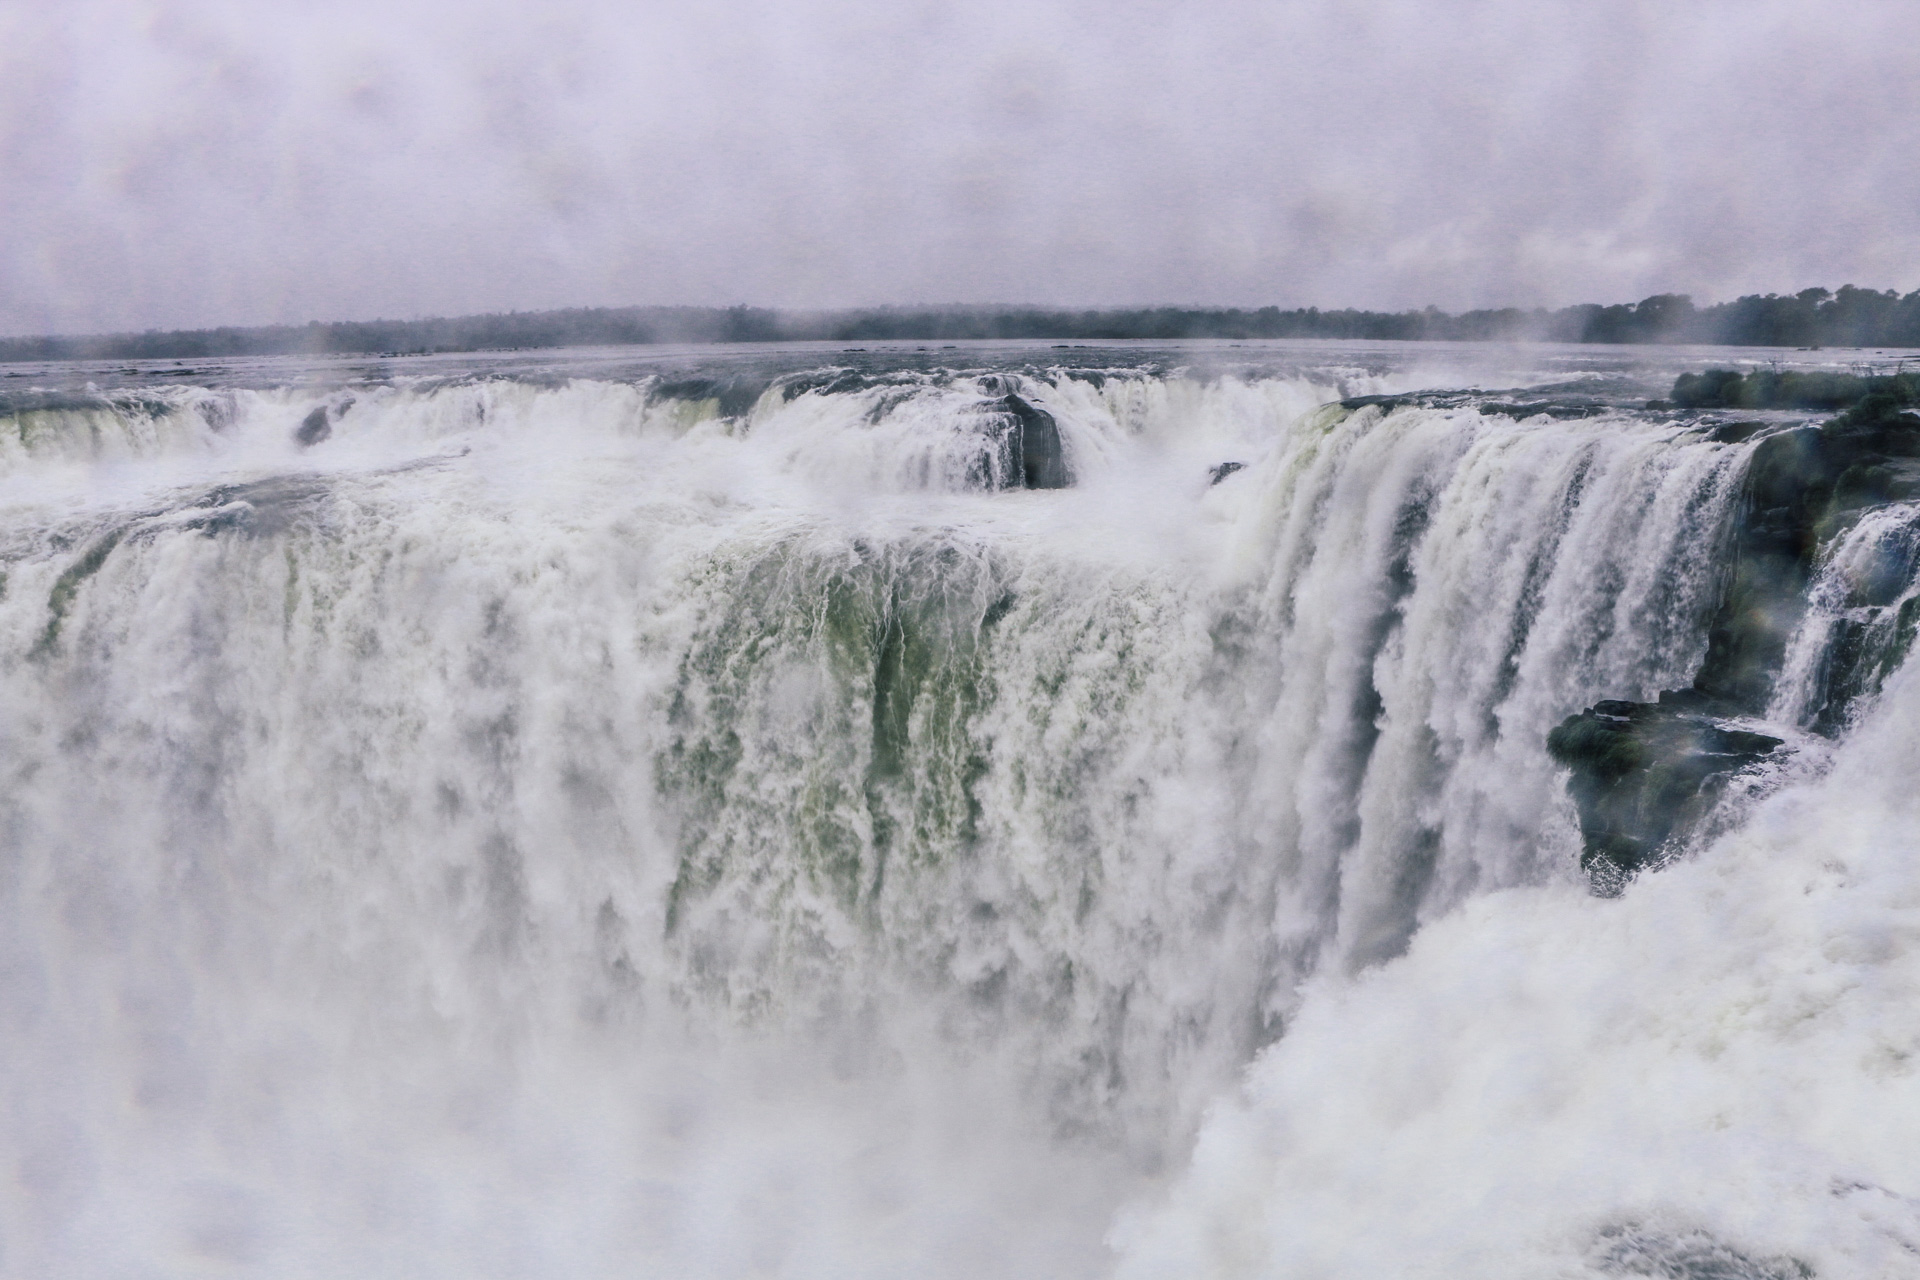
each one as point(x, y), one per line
point(195, 162)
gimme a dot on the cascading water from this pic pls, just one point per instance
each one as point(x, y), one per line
point(737, 816)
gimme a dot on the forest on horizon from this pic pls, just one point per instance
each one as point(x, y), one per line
point(1848, 317)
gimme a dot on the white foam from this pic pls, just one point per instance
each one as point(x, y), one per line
point(486, 843)
point(1729, 1049)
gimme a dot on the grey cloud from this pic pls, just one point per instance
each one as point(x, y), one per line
point(187, 163)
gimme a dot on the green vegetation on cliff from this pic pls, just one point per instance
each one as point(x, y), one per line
point(1774, 389)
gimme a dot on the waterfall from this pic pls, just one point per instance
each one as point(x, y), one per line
point(575, 824)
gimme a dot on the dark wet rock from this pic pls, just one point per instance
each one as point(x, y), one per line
point(1802, 487)
point(314, 429)
point(1043, 464)
point(1738, 432)
point(1224, 470)
point(1030, 454)
point(318, 425)
point(1645, 773)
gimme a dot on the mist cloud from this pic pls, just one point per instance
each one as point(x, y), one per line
point(175, 164)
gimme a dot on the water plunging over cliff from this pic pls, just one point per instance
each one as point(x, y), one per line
point(811, 813)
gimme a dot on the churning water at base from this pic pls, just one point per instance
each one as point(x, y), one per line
point(705, 815)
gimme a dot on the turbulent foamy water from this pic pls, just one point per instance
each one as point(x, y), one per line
point(700, 815)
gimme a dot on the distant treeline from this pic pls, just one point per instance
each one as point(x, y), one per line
point(1813, 317)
